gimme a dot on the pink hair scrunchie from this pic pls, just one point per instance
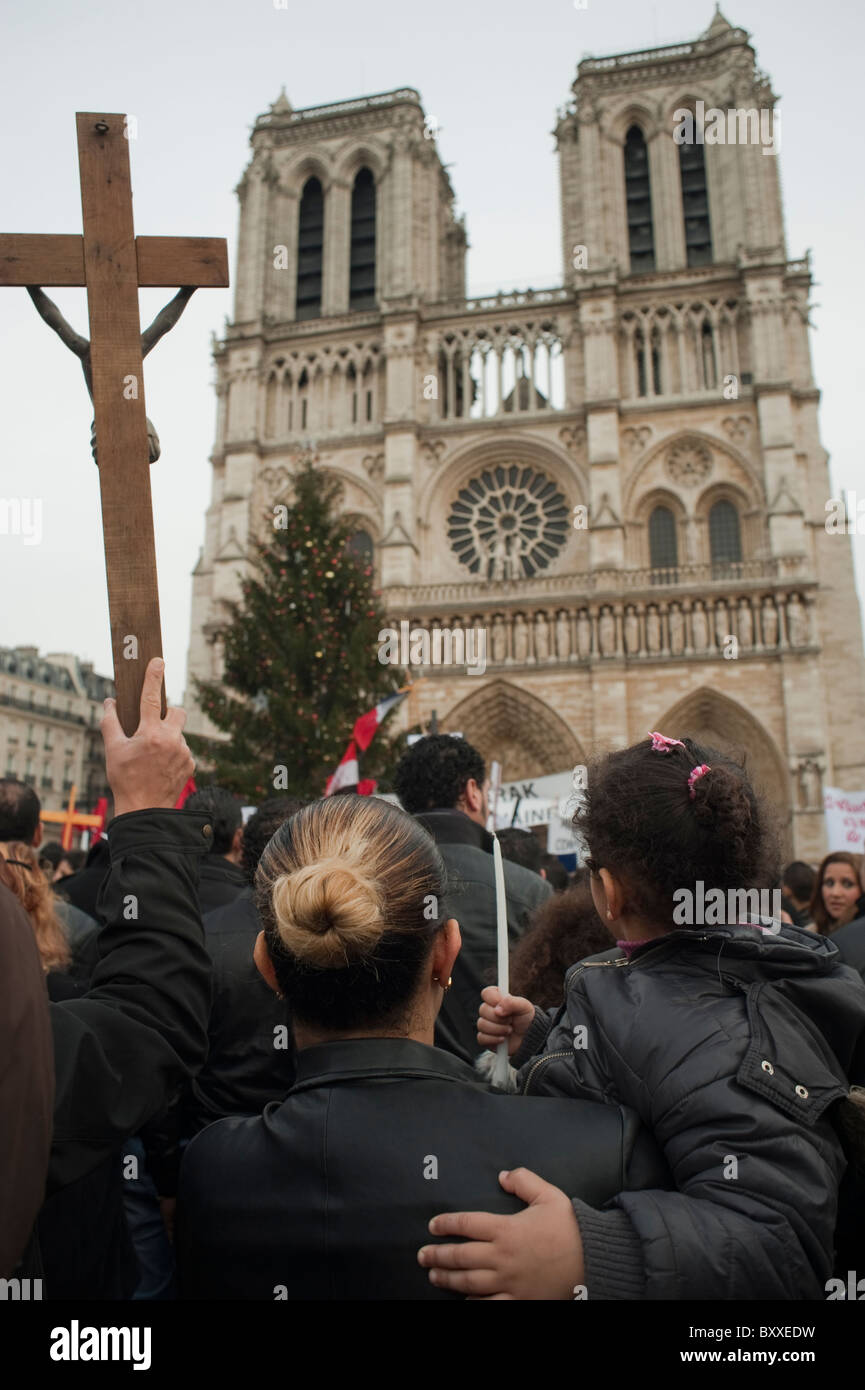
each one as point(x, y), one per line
point(695, 776)
point(662, 744)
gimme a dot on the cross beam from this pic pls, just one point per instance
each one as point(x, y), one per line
point(113, 263)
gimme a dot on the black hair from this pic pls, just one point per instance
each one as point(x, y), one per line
point(51, 852)
point(432, 775)
point(556, 874)
point(261, 825)
point(640, 822)
point(800, 878)
point(521, 847)
point(19, 810)
point(224, 809)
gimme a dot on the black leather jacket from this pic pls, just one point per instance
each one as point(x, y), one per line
point(731, 1044)
point(327, 1195)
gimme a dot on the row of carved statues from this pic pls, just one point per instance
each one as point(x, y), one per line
point(725, 626)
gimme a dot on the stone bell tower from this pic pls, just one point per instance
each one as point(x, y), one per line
point(347, 225)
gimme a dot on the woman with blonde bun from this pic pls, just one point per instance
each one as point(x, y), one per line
point(328, 1193)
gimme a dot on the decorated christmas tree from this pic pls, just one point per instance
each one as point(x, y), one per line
point(300, 654)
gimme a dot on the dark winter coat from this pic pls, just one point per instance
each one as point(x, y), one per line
point(467, 851)
point(219, 882)
point(122, 1050)
point(250, 1055)
point(731, 1044)
point(850, 941)
point(328, 1195)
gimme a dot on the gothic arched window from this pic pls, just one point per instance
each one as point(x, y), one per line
point(360, 545)
point(361, 294)
point(725, 541)
point(663, 544)
point(310, 251)
point(641, 237)
point(695, 204)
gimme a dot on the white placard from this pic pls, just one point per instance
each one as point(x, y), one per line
point(845, 819)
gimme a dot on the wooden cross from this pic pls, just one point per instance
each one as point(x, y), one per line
point(70, 817)
point(112, 263)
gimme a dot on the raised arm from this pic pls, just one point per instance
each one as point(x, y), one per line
point(122, 1049)
point(166, 319)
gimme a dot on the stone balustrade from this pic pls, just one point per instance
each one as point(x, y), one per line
point(683, 580)
point(725, 625)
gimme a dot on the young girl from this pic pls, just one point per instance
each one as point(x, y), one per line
point(733, 1036)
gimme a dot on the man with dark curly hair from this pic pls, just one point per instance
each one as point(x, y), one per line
point(442, 781)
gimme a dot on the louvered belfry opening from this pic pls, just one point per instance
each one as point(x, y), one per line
point(695, 204)
point(310, 251)
point(641, 235)
point(362, 273)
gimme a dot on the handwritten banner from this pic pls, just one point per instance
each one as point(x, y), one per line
point(845, 819)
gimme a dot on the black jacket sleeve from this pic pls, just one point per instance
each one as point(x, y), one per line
point(122, 1050)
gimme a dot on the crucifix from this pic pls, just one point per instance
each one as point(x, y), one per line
point(72, 819)
point(113, 263)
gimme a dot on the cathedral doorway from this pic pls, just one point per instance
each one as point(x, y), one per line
point(517, 729)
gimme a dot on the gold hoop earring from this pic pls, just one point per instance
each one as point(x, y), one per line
point(444, 988)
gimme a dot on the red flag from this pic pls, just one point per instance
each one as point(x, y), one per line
point(365, 727)
point(348, 772)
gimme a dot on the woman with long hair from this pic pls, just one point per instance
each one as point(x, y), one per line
point(328, 1193)
point(836, 891)
point(21, 872)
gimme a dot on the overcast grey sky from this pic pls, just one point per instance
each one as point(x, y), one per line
point(195, 73)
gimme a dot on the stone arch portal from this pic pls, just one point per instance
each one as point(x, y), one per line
point(709, 717)
point(517, 729)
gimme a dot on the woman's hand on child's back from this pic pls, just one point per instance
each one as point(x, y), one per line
point(503, 1016)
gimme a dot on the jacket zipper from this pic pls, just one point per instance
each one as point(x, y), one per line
point(586, 965)
point(548, 1057)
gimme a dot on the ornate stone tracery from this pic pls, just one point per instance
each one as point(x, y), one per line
point(508, 522)
point(689, 462)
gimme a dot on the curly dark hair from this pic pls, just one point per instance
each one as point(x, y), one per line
point(563, 930)
point(432, 774)
point(639, 821)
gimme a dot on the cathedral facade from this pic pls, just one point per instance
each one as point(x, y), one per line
point(619, 479)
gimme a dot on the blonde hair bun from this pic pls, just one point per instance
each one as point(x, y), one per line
point(328, 914)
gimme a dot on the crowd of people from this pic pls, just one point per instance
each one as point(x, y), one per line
point(255, 1061)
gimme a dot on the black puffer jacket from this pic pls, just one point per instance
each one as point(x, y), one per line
point(730, 1043)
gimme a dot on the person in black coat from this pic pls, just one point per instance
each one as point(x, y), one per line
point(327, 1193)
point(221, 877)
point(442, 780)
point(735, 1038)
point(121, 1050)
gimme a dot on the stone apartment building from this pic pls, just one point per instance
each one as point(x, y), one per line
point(620, 477)
point(50, 711)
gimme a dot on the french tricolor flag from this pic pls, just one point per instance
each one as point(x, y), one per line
point(348, 772)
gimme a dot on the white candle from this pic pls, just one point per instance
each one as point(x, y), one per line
point(500, 1072)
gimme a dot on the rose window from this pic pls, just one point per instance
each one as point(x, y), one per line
point(508, 522)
